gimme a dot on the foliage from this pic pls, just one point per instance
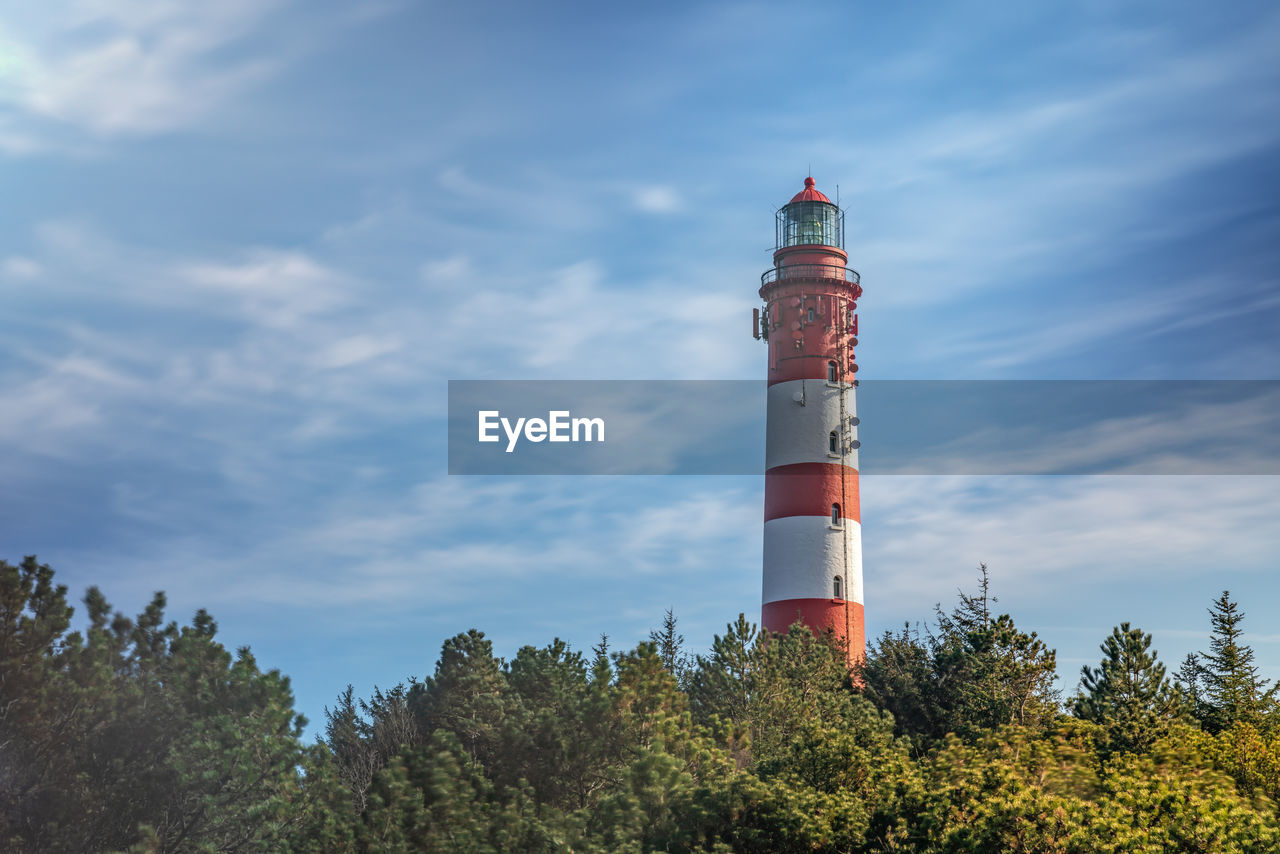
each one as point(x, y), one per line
point(136, 729)
point(973, 673)
point(1020, 791)
point(142, 736)
point(1224, 681)
point(670, 644)
point(1127, 693)
point(1250, 757)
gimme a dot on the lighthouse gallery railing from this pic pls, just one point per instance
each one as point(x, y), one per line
point(810, 271)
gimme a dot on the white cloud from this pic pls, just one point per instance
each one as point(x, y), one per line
point(131, 68)
point(1177, 305)
point(448, 269)
point(18, 267)
point(925, 535)
point(275, 287)
point(658, 199)
point(39, 411)
point(1052, 175)
point(994, 348)
point(270, 287)
point(434, 547)
point(356, 349)
point(566, 324)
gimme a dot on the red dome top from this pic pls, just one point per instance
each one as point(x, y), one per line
point(809, 194)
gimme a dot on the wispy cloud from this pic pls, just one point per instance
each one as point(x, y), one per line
point(366, 545)
point(924, 535)
point(136, 67)
point(1177, 306)
point(272, 287)
point(563, 324)
point(248, 350)
point(1056, 173)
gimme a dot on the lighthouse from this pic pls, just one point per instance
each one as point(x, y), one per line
point(812, 526)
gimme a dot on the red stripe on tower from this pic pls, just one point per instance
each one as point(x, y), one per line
point(812, 529)
point(809, 489)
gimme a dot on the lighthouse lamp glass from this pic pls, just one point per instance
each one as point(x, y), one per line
point(809, 224)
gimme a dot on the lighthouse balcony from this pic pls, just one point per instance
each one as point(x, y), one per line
point(823, 272)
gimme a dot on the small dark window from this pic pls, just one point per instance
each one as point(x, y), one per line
point(810, 317)
point(831, 372)
point(835, 514)
point(833, 443)
point(836, 588)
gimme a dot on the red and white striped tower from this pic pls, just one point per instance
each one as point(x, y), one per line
point(812, 530)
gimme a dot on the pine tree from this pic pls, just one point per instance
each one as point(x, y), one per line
point(897, 675)
point(670, 645)
point(601, 669)
point(1128, 692)
point(136, 731)
point(467, 695)
point(974, 672)
point(1233, 692)
point(1188, 681)
point(552, 738)
point(721, 685)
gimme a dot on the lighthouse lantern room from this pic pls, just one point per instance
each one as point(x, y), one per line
point(812, 524)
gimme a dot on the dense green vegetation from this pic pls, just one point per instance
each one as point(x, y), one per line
point(140, 735)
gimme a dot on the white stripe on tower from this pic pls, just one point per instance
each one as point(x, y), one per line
point(812, 552)
point(802, 414)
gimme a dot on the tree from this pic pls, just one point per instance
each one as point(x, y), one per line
point(991, 672)
point(670, 645)
point(141, 735)
point(1128, 692)
point(554, 737)
point(1013, 790)
point(720, 685)
point(466, 696)
point(897, 675)
point(796, 678)
point(435, 798)
point(1189, 683)
point(34, 616)
point(1231, 688)
point(972, 673)
point(363, 735)
point(137, 731)
point(762, 688)
point(601, 669)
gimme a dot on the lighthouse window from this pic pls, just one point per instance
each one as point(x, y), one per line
point(810, 316)
point(836, 588)
point(809, 223)
point(835, 514)
point(831, 372)
point(833, 442)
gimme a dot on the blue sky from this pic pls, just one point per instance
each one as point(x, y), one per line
point(245, 245)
